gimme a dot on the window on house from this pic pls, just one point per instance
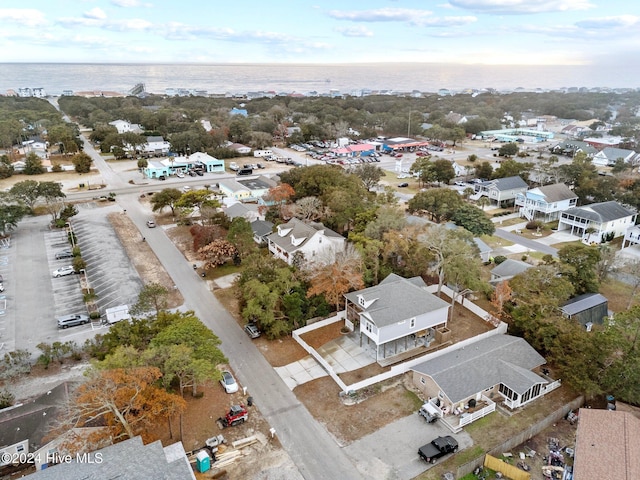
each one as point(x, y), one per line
point(412, 323)
point(361, 301)
point(369, 327)
point(20, 448)
point(422, 381)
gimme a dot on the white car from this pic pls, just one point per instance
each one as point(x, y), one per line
point(229, 383)
point(63, 271)
point(234, 166)
point(179, 174)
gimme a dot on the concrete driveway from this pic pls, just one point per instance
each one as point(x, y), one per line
point(391, 453)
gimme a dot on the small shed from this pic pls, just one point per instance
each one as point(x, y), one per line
point(587, 309)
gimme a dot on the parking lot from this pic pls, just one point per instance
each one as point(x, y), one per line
point(33, 298)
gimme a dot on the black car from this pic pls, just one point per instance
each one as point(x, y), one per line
point(403, 184)
point(192, 173)
point(162, 177)
point(199, 173)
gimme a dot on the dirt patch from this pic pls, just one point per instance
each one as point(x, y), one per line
point(143, 258)
point(387, 402)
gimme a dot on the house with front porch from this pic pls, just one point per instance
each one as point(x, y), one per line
point(546, 203)
point(306, 241)
point(609, 155)
point(501, 191)
point(495, 369)
point(631, 236)
point(594, 222)
point(396, 310)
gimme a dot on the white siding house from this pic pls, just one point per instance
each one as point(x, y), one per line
point(546, 202)
point(501, 190)
point(609, 155)
point(595, 221)
point(306, 240)
point(395, 309)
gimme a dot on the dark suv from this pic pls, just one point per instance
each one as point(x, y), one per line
point(64, 254)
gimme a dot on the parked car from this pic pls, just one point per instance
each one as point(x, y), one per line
point(63, 271)
point(64, 254)
point(162, 177)
point(252, 330)
point(200, 173)
point(192, 173)
point(461, 184)
point(403, 185)
point(1, 284)
point(229, 383)
point(72, 320)
point(234, 166)
point(259, 165)
point(151, 224)
point(179, 174)
point(439, 447)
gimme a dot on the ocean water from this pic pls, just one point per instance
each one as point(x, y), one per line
point(286, 78)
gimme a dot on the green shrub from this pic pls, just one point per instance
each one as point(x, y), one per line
point(498, 259)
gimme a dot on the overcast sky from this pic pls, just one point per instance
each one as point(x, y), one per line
point(563, 32)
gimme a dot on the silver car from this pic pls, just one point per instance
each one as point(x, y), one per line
point(72, 320)
point(63, 271)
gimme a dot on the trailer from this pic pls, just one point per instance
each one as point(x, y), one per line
point(117, 314)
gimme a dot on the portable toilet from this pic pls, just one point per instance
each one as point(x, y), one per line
point(203, 462)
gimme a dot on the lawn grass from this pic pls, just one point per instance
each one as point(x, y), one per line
point(618, 294)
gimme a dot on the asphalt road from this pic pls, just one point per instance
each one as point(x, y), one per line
point(525, 242)
point(311, 447)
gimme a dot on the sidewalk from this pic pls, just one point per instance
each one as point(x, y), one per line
point(343, 354)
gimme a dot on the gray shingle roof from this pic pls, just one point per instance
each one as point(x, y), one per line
point(583, 302)
point(261, 227)
point(556, 192)
point(481, 365)
point(510, 268)
point(507, 183)
point(600, 212)
point(128, 460)
point(32, 420)
point(397, 299)
point(299, 230)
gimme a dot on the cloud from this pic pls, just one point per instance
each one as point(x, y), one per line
point(421, 18)
point(130, 3)
point(136, 24)
point(616, 22)
point(381, 15)
point(22, 16)
point(96, 13)
point(521, 7)
point(356, 31)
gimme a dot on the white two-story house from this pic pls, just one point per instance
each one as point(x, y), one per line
point(501, 191)
point(305, 240)
point(396, 310)
point(592, 223)
point(546, 202)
